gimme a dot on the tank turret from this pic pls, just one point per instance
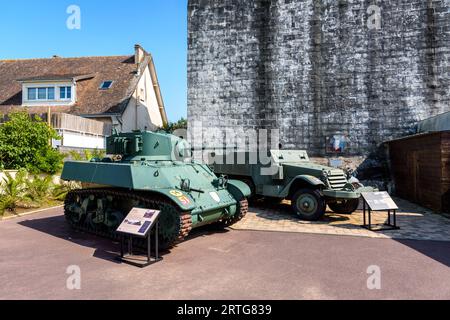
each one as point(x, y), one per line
point(147, 146)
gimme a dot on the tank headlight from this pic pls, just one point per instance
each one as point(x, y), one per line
point(223, 181)
point(185, 185)
point(349, 172)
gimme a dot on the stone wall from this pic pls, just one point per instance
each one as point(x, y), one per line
point(315, 69)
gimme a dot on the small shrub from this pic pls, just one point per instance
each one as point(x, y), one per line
point(13, 191)
point(74, 155)
point(86, 155)
point(38, 188)
point(96, 154)
point(7, 204)
point(61, 190)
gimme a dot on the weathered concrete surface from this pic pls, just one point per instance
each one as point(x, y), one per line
point(35, 253)
point(314, 69)
point(416, 223)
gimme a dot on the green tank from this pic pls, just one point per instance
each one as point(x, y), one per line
point(155, 171)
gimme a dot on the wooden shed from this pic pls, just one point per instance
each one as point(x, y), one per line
point(420, 169)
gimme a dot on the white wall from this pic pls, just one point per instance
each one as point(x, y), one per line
point(143, 110)
point(3, 175)
point(79, 140)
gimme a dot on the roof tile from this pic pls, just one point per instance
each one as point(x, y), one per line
point(89, 72)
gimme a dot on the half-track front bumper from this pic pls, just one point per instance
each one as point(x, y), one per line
point(346, 195)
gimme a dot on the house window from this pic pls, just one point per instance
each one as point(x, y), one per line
point(32, 94)
point(50, 93)
point(41, 93)
point(106, 85)
point(65, 93)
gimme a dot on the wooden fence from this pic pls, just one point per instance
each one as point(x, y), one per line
point(64, 121)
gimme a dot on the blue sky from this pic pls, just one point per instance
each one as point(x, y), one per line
point(37, 29)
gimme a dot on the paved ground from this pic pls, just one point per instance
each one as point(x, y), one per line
point(416, 223)
point(35, 252)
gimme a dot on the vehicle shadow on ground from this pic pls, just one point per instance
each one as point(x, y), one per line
point(437, 250)
point(105, 249)
point(283, 210)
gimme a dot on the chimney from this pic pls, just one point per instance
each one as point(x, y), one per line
point(139, 54)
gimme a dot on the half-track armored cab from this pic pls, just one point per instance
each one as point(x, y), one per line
point(154, 171)
point(292, 176)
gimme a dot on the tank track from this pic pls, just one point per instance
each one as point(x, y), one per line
point(243, 210)
point(149, 200)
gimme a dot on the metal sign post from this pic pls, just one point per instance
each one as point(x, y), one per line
point(376, 202)
point(139, 224)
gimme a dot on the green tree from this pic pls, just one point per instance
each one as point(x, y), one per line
point(24, 144)
point(172, 126)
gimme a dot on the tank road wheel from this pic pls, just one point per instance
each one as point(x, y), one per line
point(309, 204)
point(345, 206)
point(174, 226)
point(100, 212)
point(73, 209)
point(242, 211)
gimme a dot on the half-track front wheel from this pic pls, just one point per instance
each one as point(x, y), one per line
point(101, 211)
point(309, 204)
point(345, 206)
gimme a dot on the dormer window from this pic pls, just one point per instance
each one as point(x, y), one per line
point(42, 94)
point(51, 90)
point(48, 94)
point(106, 85)
point(65, 93)
point(32, 94)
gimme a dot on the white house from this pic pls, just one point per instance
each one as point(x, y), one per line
point(120, 91)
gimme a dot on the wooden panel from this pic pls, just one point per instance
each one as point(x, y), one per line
point(446, 198)
point(417, 168)
point(445, 149)
point(78, 124)
point(73, 123)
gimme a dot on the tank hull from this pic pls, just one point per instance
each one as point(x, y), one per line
point(188, 194)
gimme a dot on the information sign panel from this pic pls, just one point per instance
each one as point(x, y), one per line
point(379, 201)
point(139, 222)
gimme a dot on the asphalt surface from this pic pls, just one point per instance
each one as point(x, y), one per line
point(36, 251)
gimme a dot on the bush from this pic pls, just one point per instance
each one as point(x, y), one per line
point(60, 191)
point(13, 190)
point(94, 154)
point(86, 155)
point(25, 144)
point(38, 188)
point(173, 126)
point(27, 191)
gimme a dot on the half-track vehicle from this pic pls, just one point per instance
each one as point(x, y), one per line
point(153, 171)
point(292, 176)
